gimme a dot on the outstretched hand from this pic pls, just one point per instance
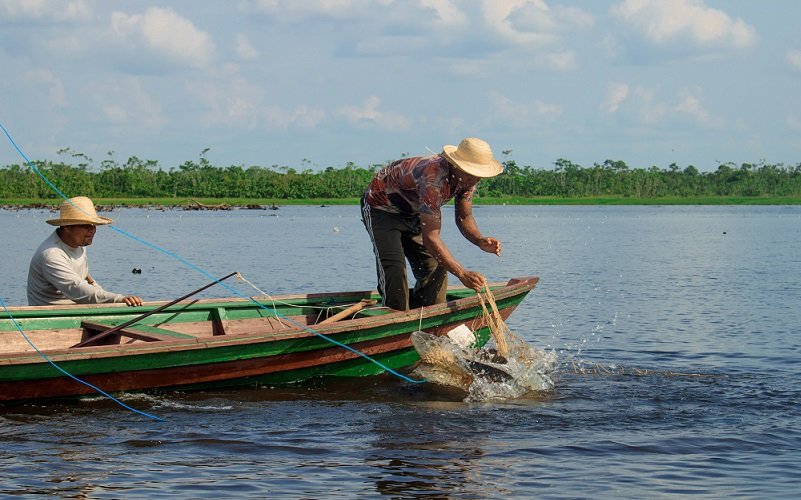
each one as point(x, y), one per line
point(132, 300)
point(490, 245)
point(473, 280)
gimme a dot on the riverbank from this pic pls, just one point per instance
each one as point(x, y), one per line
point(266, 204)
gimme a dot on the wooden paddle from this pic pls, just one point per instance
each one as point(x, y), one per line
point(350, 310)
point(117, 328)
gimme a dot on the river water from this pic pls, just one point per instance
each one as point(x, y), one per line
point(677, 329)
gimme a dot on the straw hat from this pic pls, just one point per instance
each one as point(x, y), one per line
point(474, 157)
point(78, 210)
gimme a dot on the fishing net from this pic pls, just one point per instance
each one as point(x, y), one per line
point(508, 367)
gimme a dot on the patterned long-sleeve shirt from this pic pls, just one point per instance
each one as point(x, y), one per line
point(421, 184)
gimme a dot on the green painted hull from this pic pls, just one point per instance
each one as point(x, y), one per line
point(225, 342)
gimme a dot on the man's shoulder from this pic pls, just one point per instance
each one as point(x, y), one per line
point(431, 161)
point(432, 169)
point(53, 248)
point(416, 163)
point(49, 243)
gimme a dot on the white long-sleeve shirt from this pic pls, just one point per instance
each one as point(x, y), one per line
point(57, 275)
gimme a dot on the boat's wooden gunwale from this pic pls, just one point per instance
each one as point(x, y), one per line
point(308, 299)
point(350, 326)
point(295, 299)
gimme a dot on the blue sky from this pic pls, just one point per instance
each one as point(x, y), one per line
point(318, 83)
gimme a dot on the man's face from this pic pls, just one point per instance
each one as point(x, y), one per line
point(465, 179)
point(79, 235)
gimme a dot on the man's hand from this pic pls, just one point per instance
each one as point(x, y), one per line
point(472, 279)
point(132, 300)
point(490, 245)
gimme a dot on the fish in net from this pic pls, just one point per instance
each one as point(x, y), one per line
point(508, 367)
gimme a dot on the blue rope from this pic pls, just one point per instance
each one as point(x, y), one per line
point(73, 377)
point(201, 271)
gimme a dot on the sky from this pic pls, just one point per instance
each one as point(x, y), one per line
point(311, 84)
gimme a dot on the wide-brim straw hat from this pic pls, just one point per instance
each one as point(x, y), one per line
point(474, 157)
point(78, 210)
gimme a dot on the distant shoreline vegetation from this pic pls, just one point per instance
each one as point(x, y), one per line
point(203, 185)
point(109, 204)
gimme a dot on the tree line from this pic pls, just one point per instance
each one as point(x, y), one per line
point(137, 178)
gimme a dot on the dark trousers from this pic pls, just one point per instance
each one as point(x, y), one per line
point(396, 238)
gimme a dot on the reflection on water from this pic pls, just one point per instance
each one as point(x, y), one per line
point(424, 449)
point(692, 312)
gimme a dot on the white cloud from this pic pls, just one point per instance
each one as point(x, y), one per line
point(447, 12)
point(573, 16)
point(491, 65)
point(437, 27)
point(368, 113)
point(682, 21)
point(560, 61)
point(115, 113)
point(651, 110)
point(301, 117)
point(293, 10)
point(66, 45)
point(793, 59)
point(386, 12)
point(523, 114)
point(163, 33)
point(690, 104)
point(229, 99)
point(616, 93)
point(55, 88)
point(520, 22)
point(45, 10)
point(537, 16)
point(127, 104)
point(289, 68)
point(244, 49)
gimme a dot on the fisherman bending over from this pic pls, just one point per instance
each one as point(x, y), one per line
point(401, 211)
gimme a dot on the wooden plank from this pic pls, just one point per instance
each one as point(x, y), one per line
point(138, 332)
point(347, 312)
point(169, 334)
point(219, 320)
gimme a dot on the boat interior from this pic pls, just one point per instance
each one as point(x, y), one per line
point(77, 327)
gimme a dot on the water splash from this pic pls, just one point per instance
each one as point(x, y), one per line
point(484, 374)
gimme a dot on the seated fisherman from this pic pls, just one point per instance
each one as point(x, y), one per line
point(59, 270)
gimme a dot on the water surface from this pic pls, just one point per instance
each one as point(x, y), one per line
point(677, 329)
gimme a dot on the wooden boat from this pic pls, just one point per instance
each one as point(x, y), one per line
point(197, 344)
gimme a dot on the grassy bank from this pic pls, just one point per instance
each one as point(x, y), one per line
point(221, 203)
point(625, 200)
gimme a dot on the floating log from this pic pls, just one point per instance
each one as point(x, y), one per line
point(196, 205)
